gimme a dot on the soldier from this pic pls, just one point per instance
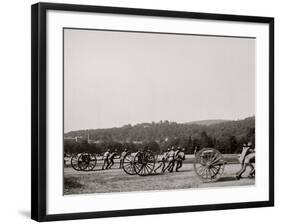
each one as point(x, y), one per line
point(171, 160)
point(111, 159)
point(122, 156)
point(179, 157)
point(246, 159)
point(177, 151)
point(105, 159)
point(163, 161)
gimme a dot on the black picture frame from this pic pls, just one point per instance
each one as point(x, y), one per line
point(39, 107)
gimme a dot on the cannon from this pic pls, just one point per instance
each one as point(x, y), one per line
point(128, 164)
point(141, 163)
point(83, 161)
point(208, 164)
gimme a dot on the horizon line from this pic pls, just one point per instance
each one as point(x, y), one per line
point(223, 120)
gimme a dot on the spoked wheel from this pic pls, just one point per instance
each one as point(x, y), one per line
point(144, 163)
point(87, 161)
point(74, 162)
point(128, 164)
point(209, 164)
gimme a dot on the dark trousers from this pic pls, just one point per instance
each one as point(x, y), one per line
point(247, 162)
point(161, 164)
point(110, 164)
point(105, 164)
point(170, 166)
point(179, 165)
point(243, 169)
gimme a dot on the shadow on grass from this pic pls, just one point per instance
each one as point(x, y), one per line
point(71, 182)
point(167, 172)
point(224, 179)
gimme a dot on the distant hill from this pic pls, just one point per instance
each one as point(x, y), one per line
point(226, 136)
point(207, 122)
point(168, 130)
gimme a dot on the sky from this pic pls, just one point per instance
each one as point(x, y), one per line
point(116, 78)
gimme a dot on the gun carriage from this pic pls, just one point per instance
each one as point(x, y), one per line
point(208, 163)
point(140, 163)
point(83, 161)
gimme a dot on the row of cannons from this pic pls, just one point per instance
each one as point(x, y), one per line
point(208, 163)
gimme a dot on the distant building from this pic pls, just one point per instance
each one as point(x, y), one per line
point(72, 139)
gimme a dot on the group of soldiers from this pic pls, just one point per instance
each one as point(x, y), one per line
point(173, 157)
point(108, 158)
point(171, 160)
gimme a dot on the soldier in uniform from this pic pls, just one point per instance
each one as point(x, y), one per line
point(105, 159)
point(163, 161)
point(246, 159)
point(179, 157)
point(111, 159)
point(122, 156)
point(171, 160)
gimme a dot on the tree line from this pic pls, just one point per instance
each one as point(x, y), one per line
point(227, 137)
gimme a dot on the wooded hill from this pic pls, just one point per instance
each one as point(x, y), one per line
point(227, 136)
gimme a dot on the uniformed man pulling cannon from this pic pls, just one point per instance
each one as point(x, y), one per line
point(179, 157)
point(111, 159)
point(246, 159)
point(122, 156)
point(106, 159)
point(171, 160)
point(163, 161)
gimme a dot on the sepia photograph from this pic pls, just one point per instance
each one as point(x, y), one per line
point(147, 111)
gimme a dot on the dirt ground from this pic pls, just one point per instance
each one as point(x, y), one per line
point(116, 180)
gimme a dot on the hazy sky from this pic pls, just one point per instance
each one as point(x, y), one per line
point(117, 78)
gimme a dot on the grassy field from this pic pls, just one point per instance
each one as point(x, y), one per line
point(116, 180)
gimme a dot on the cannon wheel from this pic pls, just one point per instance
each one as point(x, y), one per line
point(74, 161)
point(87, 161)
point(209, 164)
point(144, 163)
point(128, 164)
